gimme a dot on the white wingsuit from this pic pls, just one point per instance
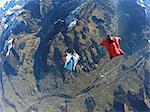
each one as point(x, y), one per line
point(76, 58)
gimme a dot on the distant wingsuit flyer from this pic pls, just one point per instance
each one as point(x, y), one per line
point(71, 61)
point(8, 46)
point(112, 45)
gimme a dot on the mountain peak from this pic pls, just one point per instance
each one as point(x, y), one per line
point(36, 36)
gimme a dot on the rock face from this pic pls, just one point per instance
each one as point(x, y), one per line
point(33, 78)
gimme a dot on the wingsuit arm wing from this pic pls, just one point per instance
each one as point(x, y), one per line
point(68, 57)
point(76, 59)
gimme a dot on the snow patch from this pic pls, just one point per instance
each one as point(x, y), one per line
point(141, 3)
point(3, 2)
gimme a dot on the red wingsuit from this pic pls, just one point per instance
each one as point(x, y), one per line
point(113, 47)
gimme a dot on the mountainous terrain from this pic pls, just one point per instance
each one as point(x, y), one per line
point(33, 78)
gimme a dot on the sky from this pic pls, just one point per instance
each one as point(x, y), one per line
point(2, 2)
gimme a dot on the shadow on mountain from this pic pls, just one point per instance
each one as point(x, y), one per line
point(131, 24)
point(135, 102)
point(9, 70)
point(119, 100)
point(97, 21)
point(90, 104)
point(59, 62)
point(147, 75)
point(35, 11)
point(21, 27)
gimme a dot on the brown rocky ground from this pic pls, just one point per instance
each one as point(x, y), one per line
point(40, 84)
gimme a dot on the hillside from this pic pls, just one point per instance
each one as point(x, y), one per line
point(33, 78)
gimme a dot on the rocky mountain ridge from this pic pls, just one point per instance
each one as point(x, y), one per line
point(33, 78)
